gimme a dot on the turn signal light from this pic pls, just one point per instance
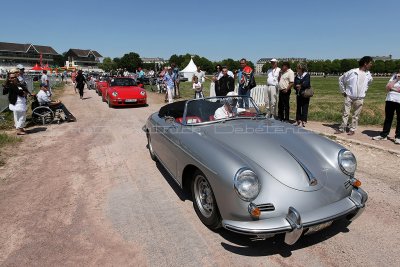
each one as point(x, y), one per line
point(254, 211)
point(355, 182)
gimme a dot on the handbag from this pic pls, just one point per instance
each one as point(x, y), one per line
point(307, 93)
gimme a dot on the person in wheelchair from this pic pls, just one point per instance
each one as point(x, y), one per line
point(45, 100)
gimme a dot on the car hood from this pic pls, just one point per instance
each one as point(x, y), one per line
point(126, 90)
point(290, 154)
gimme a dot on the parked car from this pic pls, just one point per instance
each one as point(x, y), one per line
point(253, 175)
point(101, 86)
point(125, 92)
point(182, 78)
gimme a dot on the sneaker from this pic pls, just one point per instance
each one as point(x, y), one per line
point(379, 138)
point(351, 133)
point(397, 141)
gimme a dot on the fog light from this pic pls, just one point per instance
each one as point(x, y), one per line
point(254, 211)
point(355, 182)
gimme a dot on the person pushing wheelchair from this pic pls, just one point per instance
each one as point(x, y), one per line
point(44, 99)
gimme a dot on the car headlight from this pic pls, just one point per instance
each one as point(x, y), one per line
point(143, 93)
point(347, 162)
point(246, 184)
point(114, 93)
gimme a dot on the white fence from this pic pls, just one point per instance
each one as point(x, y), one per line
point(257, 93)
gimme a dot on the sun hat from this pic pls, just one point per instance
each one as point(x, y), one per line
point(273, 60)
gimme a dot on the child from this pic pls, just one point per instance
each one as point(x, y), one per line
point(198, 88)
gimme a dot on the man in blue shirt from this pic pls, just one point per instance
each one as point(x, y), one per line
point(169, 79)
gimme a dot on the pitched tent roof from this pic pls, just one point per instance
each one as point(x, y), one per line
point(83, 52)
point(14, 47)
point(191, 67)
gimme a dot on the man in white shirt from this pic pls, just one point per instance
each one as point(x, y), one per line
point(353, 86)
point(392, 105)
point(285, 84)
point(271, 91)
point(44, 99)
point(229, 109)
point(199, 74)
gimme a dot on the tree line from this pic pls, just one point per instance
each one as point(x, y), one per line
point(338, 66)
point(131, 61)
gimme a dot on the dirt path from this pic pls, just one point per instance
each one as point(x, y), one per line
point(87, 193)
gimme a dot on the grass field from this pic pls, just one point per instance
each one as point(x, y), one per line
point(326, 105)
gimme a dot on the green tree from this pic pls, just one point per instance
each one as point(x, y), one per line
point(327, 66)
point(108, 64)
point(230, 64)
point(390, 66)
point(265, 67)
point(335, 66)
point(378, 66)
point(130, 61)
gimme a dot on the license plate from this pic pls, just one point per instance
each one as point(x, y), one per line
point(130, 100)
point(317, 228)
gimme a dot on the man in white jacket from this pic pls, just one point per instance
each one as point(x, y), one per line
point(353, 86)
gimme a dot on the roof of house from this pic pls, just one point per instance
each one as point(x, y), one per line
point(14, 47)
point(84, 52)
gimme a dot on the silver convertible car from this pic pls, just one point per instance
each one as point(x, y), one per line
point(253, 175)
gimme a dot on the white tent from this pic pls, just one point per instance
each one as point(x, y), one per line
point(189, 70)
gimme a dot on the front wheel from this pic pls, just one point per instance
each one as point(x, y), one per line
point(109, 103)
point(204, 202)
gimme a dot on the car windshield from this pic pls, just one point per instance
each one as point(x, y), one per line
point(217, 109)
point(123, 82)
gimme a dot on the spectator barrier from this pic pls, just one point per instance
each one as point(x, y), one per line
point(257, 93)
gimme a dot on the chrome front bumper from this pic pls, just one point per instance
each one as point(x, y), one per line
point(294, 223)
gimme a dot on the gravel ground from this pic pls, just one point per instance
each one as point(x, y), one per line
point(87, 193)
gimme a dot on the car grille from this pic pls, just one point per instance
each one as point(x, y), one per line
point(266, 207)
point(347, 184)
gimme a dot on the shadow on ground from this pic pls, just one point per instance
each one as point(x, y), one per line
point(246, 245)
point(36, 130)
point(371, 133)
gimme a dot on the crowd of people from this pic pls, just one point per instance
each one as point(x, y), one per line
point(279, 84)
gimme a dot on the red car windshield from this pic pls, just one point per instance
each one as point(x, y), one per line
point(123, 82)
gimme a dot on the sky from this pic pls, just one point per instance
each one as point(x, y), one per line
point(217, 29)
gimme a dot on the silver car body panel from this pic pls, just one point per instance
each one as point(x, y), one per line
point(285, 159)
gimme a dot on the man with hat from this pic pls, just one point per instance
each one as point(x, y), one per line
point(271, 91)
point(21, 72)
point(44, 99)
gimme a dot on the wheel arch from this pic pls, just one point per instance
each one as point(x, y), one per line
point(187, 176)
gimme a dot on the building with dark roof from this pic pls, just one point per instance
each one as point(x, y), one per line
point(83, 58)
point(29, 54)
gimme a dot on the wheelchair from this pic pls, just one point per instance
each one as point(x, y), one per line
point(42, 114)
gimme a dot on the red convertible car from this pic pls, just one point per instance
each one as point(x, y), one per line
point(101, 86)
point(125, 92)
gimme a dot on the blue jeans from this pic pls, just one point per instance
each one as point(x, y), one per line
point(244, 101)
